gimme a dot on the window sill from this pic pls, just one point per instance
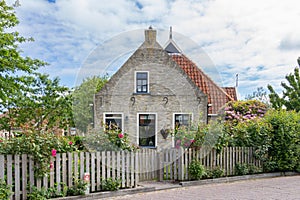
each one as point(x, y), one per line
point(141, 93)
point(148, 147)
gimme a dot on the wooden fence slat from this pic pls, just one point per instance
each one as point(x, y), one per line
point(51, 172)
point(108, 164)
point(123, 169)
point(103, 162)
point(76, 172)
point(31, 172)
point(136, 168)
point(70, 169)
point(2, 167)
point(113, 165)
point(57, 171)
point(24, 176)
point(45, 182)
point(93, 179)
point(17, 176)
point(98, 163)
point(9, 169)
point(118, 165)
point(82, 170)
point(132, 171)
point(127, 169)
point(64, 167)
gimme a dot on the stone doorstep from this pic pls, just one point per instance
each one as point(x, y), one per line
point(157, 186)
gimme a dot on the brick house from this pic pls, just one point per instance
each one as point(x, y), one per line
point(156, 89)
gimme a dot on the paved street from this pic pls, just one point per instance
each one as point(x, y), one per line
point(270, 188)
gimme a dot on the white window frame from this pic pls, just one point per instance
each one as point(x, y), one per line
point(137, 130)
point(113, 113)
point(173, 123)
point(135, 83)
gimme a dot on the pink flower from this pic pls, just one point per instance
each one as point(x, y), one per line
point(53, 152)
point(192, 141)
point(1, 140)
point(51, 165)
point(120, 135)
point(70, 143)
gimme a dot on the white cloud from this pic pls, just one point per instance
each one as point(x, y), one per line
point(238, 36)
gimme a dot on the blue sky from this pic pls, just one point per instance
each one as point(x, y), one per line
point(257, 39)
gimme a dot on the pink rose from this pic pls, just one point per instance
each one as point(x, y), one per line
point(70, 143)
point(51, 165)
point(53, 152)
point(120, 135)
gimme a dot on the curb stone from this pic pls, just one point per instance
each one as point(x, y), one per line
point(237, 178)
point(145, 188)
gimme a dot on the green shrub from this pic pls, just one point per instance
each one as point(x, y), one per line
point(110, 140)
point(196, 170)
point(5, 190)
point(254, 169)
point(241, 169)
point(78, 188)
point(43, 193)
point(216, 172)
point(110, 184)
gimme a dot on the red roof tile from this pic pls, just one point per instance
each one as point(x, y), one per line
point(231, 91)
point(217, 97)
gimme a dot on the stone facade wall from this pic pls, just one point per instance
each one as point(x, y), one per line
point(170, 91)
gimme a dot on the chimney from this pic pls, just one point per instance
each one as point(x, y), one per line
point(150, 36)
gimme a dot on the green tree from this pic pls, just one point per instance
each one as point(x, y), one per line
point(260, 94)
point(290, 95)
point(26, 96)
point(11, 60)
point(83, 99)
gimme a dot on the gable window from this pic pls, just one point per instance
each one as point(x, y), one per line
point(147, 130)
point(142, 82)
point(113, 121)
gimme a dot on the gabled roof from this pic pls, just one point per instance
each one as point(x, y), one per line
point(217, 97)
point(231, 91)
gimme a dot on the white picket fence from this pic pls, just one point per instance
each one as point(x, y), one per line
point(129, 167)
point(66, 167)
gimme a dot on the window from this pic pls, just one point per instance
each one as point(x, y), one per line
point(181, 120)
point(147, 130)
point(142, 82)
point(113, 121)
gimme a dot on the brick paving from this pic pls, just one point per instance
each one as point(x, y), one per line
point(269, 188)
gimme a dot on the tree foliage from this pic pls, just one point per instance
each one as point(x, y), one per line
point(11, 60)
point(290, 95)
point(27, 98)
point(260, 94)
point(83, 99)
point(43, 104)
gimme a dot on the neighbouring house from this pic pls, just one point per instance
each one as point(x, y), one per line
point(155, 90)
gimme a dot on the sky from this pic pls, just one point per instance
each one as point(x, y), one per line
point(258, 40)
